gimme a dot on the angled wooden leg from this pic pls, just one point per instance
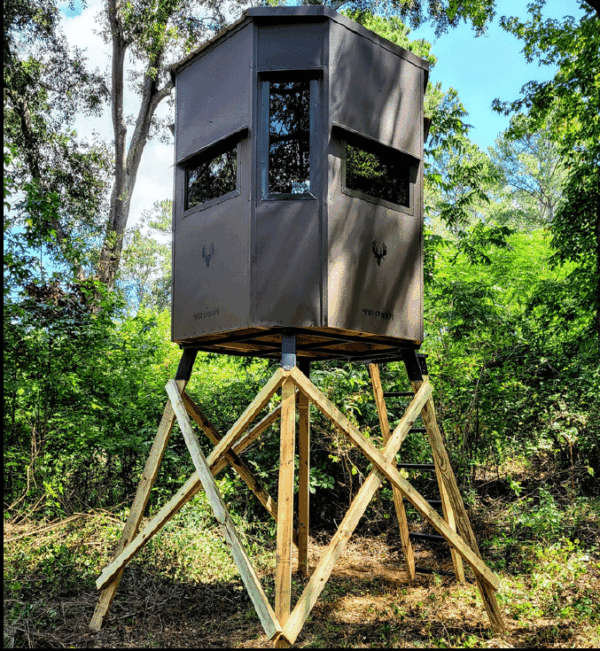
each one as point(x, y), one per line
point(249, 577)
point(144, 487)
point(303, 477)
point(192, 485)
point(457, 562)
point(409, 556)
point(285, 498)
point(457, 507)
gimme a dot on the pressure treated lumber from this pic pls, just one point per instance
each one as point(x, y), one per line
point(444, 470)
point(359, 505)
point(233, 459)
point(448, 511)
point(407, 548)
point(393, 476)
point(303, 481)
point(192, 485)
point(138, 507)
point(259, 599)
point(285, 499)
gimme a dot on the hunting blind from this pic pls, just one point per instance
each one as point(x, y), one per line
point(297, 234)
point(298, 188)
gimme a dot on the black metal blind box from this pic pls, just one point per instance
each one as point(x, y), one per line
point(298, 189)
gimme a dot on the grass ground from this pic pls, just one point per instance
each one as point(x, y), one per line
point(183, 590)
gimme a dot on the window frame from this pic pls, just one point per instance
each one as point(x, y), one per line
point(264, 85)
point(372, 146)
point(229, 142)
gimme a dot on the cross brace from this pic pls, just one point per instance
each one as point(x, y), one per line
point(282, 623)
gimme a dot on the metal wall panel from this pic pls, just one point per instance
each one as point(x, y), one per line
point(374, 91)
point(211, 289)
point(365, 294)
point(287, 264)
point(291, 46)
point(214, 93)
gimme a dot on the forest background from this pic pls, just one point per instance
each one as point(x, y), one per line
point(512, 321)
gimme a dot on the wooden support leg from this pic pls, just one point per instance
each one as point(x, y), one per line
point(249, 577)
point(144, 487)
point(409, 556)
point(457, 507)
point(303, 477)
point(285, 498)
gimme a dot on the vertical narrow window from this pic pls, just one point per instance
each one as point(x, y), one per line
point(211, 176)
point(289, 137)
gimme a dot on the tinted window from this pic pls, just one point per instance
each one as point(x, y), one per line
point(380, 175)
point(211, 177)
point(289, 137)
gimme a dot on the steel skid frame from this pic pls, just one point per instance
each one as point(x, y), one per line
point(283, 624)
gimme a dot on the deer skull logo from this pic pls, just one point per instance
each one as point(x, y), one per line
point(207, 254)
point(379, 251)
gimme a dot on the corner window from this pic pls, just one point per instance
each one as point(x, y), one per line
point(381, 176)
point(289, 137)
point(211, 175)
point(377, 173)
point(288, 127)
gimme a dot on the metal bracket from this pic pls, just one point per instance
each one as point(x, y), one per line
point(186, 364)
point(288, 350)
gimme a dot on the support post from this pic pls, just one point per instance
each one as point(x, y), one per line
point(285, 506)
point(303, 473)
point(182, 377)
point(407, 548)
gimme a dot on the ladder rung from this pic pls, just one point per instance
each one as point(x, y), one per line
point(417, 466)
point(418, 429)
point(398, 394)
point(427, 536)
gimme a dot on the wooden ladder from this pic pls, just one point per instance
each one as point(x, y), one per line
point(406, 536)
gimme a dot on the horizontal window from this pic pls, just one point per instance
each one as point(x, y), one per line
point(210, 176)
point(383, 174)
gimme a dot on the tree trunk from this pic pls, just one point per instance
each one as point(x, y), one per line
point(127, 162)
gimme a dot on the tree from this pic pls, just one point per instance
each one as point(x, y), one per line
point(145, 274)
point(570, 105)
point(532, 173)
point(59, 179)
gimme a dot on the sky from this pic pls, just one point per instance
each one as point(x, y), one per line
point(479, 68)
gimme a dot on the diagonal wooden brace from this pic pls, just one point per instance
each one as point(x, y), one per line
point(234, 460)
point(192, 485)
point(259, 599)
point(393, 476)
